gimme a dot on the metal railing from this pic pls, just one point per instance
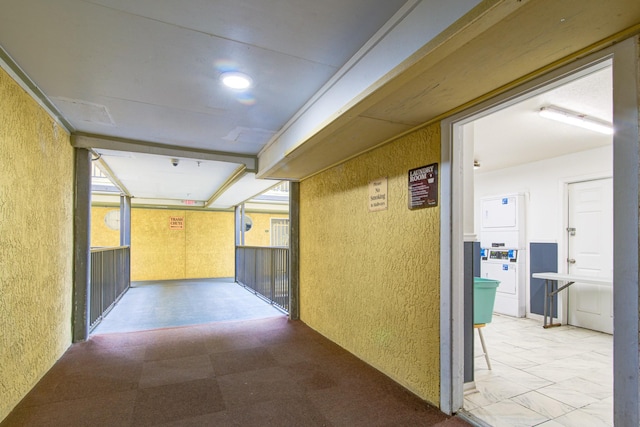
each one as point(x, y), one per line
point(110, 279)
point(265, 270)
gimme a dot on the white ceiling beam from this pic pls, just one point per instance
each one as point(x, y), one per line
point(80, 140)
point(413, 26)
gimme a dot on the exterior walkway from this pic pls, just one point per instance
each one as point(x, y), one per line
point(162, 304)
point(261, 372)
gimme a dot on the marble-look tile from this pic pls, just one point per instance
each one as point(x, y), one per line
point(590, 387)
point(573, 392)
point(469, 402)
point(497, 389)
point(602, 409)
point(550, 423)
point(561, 368)
point(550, 353)
point(482, 372)
point(542, 404)
point(522, 377)
point(599, 357)
point(567, 368)
point(508, 414)
point(477, 400)
point(497, 346)
point(605, 351)
point(580, 418)
point(515, 360)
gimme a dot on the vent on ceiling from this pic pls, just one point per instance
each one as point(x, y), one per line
point(76, 110)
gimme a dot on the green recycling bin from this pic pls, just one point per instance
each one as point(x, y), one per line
point(484, 296)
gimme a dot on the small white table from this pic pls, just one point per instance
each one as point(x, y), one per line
point(569, 280)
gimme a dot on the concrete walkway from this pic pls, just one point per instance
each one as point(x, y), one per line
point(163, 304)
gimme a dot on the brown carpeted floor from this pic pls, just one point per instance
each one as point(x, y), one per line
point(267, 372)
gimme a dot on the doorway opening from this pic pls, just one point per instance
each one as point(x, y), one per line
point(459, 227)
point(523, 162)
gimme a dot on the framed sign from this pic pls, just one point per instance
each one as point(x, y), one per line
point(176, 223)
point(378, 195)
point(423, 187)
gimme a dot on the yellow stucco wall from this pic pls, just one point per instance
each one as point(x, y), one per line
point(369, 281)
point(101, 235)
point(210, 249)
point(260, 233)
point(203, 248)
point(36, 242)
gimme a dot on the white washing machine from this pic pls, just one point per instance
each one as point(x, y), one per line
point(508, 267)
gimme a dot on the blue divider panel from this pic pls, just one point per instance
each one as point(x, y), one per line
point(543, 257)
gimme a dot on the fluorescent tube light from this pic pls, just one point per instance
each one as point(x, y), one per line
point(576, 119)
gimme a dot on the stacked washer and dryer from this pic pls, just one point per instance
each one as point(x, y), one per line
point(503, 250)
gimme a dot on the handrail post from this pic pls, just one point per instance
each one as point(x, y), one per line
point(273, 272)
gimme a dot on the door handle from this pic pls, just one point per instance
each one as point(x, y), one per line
point(571, 260)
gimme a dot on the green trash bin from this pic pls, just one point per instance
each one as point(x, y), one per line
point(484, 296)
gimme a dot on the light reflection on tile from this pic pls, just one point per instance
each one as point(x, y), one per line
point(550, 377)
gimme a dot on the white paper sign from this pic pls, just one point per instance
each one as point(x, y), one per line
point(378, 195)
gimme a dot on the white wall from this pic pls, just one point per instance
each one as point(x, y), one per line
point(544, 184)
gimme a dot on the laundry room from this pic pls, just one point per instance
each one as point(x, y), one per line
point(534, 179)
point(538, 201)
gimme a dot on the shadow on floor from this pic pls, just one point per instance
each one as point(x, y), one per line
point(162, 304)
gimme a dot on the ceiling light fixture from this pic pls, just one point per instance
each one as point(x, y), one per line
point(235, 80)
point(576, 119)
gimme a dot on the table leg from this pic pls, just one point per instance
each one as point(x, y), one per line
point(548, 302)
point(546, 299)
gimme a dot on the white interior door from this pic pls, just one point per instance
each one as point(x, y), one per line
point(590, 253)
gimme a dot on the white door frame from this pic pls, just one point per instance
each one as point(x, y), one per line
point(624, 57)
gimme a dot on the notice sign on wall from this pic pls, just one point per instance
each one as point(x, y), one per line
point(378, 195)
point(423, 187)
point(176, 223)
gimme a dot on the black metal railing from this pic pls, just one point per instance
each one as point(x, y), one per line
point(110, 279)
point(265, 270)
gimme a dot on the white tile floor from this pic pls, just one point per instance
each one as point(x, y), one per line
point(560, 376)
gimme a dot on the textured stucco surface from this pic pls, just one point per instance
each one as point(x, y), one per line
point(204, 248)
point(260, 233)
point(101, 235)
point(369, 281)
point(36, 242)
point(210, 249)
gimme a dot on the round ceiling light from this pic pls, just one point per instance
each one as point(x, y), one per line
point(235, 80)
